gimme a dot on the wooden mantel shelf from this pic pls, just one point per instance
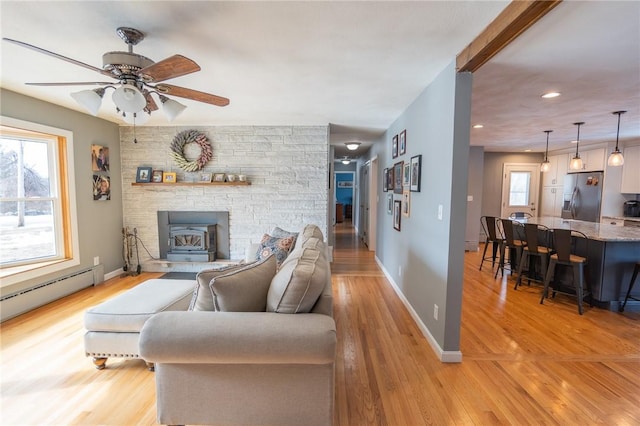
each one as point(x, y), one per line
point(237, 183)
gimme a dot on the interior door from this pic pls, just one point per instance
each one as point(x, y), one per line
point(520, 189)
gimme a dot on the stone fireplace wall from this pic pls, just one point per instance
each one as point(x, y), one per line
point(286, 165)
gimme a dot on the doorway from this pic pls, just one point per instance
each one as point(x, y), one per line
point(344, 195)
point(520, 188)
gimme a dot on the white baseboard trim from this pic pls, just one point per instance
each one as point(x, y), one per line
point(113, 274)
point(444, 356)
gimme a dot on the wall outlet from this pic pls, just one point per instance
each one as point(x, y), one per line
point(435, 312)
point(440, 212)
point(96, 260)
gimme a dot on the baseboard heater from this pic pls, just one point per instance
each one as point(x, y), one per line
point(33, 297)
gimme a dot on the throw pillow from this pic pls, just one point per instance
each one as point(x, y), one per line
point(281, 233)
point(279, 247)
point(299, 282)
point(244, 290)
point(202, 299)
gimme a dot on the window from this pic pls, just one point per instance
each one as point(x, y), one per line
point(37, 202)
point(519, 189)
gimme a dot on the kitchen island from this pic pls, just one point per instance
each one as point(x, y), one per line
point(612, 252)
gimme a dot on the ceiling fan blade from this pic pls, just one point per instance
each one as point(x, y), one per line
point(151, 104)
point(74, 83)
point(55, 55)
point(172, 67)
point(169, 89)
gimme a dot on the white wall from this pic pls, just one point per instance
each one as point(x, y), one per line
point(287, 167)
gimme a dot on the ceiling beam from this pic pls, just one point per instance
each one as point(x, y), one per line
point(509, 24)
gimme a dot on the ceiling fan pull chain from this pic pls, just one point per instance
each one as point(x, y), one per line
point(135, 140)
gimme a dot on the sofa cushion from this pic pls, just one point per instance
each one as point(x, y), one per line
point(244, 290)
point(202, 299)
point(279, 247)
point(299, 281)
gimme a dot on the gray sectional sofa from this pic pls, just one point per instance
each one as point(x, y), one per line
point(258, 346)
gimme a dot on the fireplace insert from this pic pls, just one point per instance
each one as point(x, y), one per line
point(192, 243)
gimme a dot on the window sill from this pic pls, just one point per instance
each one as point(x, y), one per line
point(17, 274)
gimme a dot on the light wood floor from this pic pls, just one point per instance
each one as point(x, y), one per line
point(523, 363)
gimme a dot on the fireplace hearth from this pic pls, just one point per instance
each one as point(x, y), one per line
point(199, 236)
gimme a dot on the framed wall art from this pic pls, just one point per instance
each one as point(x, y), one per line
point(416, 166)
point(385, 180)
point(397, 207)
point(406, 174)
point(403, 142)
point(205, 177)
point(143, 174)
point(390, 180)
point(397, 177)
point(394, 146)
point(169, 177)
point(218, 177)
point(406, 198)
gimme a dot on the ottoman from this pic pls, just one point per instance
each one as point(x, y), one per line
point(113, 327)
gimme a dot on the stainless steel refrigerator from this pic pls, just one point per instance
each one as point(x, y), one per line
point(582, 196)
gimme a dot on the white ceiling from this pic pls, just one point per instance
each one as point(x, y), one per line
point(356, 65)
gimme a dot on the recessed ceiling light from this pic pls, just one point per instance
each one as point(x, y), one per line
point(478, 126)
point(527, 150)
point(574, 141)
point(550, 95)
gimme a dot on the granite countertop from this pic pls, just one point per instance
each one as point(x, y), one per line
point(594, 231)
point(632, 219)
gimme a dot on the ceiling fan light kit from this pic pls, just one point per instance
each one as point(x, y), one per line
point(576, 161)
point(615, 158)
point(138, 77)
point(546, 165)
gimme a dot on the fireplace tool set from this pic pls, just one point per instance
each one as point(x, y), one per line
point(130, 243)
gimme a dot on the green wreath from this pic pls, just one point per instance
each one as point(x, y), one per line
point(177, 150)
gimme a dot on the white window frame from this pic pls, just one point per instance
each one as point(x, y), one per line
point(68, 257)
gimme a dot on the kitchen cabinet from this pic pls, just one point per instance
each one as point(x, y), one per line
point(559, 164)
point(592, 160)
point(551, 202)
point(631, 171)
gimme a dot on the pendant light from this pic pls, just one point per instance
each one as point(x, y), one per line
point(576, 161)
point(546, 165)
point(616, 158)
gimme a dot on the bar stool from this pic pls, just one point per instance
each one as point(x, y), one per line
point(512, 242)
point(562, 242)
point(489, 227)
point(533, 251)
point(631, 283)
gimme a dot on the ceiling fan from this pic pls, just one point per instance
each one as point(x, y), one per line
point(138, 77)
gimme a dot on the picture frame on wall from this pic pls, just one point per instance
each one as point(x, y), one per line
point(390, 180)
point(397, 177)
point(406, 174)
point(390, 204)
point(397, 207)
point(205, 177)
point(385, 180)
point(218, 177)
point(169, 177)
point(156, 176)
point(143, 175)
point(416, 173)
point(394, 146)
point(406, 206)
point(403, 142)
